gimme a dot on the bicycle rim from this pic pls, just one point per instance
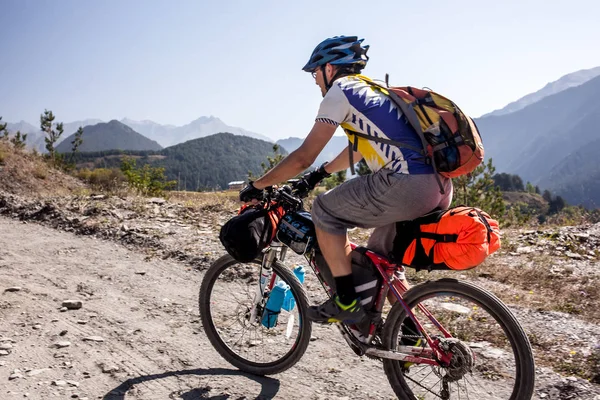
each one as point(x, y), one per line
point(226, 302)
point(492, 356)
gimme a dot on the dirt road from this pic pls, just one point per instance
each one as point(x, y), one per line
point(137, 334)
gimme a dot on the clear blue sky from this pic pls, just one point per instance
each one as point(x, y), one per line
point(174, 61)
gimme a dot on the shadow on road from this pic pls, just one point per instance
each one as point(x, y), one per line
point(269, 386)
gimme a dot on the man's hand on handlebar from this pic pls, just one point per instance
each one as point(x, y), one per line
point(310, 180)
point(250, 193)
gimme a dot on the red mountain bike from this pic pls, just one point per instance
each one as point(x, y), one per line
point(443, 339)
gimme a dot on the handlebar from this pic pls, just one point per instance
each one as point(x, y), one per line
point(286, 195)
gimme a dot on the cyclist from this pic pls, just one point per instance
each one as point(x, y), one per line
point(402, 185)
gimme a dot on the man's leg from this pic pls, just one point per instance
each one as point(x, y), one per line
point(367, 201)
point(344, 306)
point(336, 250)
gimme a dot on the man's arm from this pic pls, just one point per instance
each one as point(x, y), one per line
point(301, 158)
point(342, 161)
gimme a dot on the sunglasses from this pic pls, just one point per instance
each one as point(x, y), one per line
point(314, 74)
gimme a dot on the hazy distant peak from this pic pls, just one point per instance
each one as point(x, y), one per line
point(144, 121)
point(567, 81)
point(206, 120)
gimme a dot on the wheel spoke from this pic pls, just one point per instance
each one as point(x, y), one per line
point(482, 358)
point(227, 295)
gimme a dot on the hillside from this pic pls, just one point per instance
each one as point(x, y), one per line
point(540, 138)
point(577, 177)
point(215, 160)
point(206, 163)
point(23, 173)
point(112, 135)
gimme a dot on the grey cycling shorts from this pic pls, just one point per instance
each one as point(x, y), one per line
point(378, 201)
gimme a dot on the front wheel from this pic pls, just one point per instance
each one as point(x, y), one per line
point(491, 354)
point(232, 317)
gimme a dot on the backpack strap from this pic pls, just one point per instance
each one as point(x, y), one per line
point(387, 141)
point(486, 223)
point(413, 119)
point(438, 237)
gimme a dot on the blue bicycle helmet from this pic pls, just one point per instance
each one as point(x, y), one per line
point(338, 50)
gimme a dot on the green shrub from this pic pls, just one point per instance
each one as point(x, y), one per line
point(478, 189)
point(146, 180)
point(103, 179)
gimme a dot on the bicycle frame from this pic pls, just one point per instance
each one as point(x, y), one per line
point(433, 355)
point(397, 287)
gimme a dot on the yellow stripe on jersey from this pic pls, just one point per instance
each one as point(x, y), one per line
point(365, 148)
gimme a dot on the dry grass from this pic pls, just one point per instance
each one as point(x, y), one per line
point(533, 281)
point(216, 201)
point(23, 173)
point(40, 173)
point(207, 201)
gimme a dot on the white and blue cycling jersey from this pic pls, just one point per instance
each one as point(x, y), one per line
point(355, 105)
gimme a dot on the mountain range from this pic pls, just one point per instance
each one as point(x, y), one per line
point(549, 138)
point(566, 82)
point(165, 135)
point(541, 142)
point(169, 135)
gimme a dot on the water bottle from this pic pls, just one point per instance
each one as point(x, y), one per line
point(273, 306)
point(289, 302)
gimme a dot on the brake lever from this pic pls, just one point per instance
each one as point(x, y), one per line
point(297, 203)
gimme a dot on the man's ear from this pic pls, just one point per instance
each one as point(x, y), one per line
point(329, 70)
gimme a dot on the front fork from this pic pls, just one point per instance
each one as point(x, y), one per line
point(266, 279)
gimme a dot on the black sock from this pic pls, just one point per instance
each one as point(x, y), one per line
point(344, 286)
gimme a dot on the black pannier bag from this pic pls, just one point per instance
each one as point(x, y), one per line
point(247, 234)
point(297, 231)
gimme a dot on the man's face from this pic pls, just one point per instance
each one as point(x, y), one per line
point(319, 78)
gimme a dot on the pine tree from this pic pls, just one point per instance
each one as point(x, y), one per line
point(529, 188)
point(478, 189)
point(52, 132)
point(547, 196)
point(272, 162)
point(3, 131)
point(77, 141)
point(19, 140)
point(556, 205)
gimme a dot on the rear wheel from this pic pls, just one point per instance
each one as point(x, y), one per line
point(226, 309)
point(491, 354)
